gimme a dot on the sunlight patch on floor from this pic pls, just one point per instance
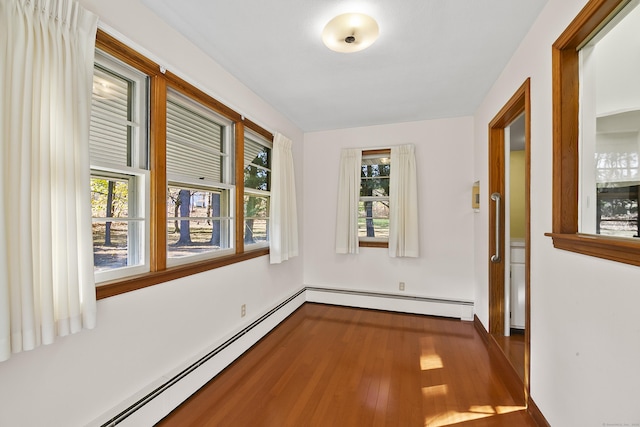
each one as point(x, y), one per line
point(509, 409)
point(429, 358)
point(453, 417)
point(486, 409)
point(434, 390)
point(430, 361)
point(475, 412)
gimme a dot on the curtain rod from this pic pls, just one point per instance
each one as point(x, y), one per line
point(383, 147)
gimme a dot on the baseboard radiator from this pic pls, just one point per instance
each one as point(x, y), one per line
point(460, 309)
point(147, 410)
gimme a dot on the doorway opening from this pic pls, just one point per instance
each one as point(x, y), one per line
point(509, 231)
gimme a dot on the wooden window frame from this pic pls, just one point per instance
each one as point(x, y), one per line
point(160, 81)
point(369, 243)
point(566, 164)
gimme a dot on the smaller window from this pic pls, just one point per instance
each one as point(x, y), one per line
point(373, 207)
point(257, 189)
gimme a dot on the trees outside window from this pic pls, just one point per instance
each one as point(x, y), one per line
point(373, 212)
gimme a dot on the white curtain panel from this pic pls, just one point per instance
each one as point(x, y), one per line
point(46, 255)
point(348, 198)
point(283, 215)
point(403, 203)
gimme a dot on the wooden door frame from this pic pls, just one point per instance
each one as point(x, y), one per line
point(518, 104)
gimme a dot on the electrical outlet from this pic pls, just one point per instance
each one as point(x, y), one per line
point(243, 310)
point(401, 286)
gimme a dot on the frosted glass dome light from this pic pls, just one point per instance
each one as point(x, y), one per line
point(350, 32)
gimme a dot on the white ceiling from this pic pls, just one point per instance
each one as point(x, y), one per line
point(434, 58)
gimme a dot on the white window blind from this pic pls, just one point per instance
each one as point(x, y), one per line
point(110, 130)
point(195, 146)
point(251, 151)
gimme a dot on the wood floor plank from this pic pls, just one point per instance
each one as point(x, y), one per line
point(339, 366)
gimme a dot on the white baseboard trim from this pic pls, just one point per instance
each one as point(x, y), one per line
point(158, 399)
point(458, 309)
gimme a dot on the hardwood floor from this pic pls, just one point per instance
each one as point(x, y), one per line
point(338, 366)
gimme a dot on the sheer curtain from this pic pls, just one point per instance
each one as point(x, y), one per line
point(403, 203)
point(283, 216)
point(46, 255)
point(348, 197)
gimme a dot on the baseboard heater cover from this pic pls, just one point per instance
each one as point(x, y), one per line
point(119, 418)
point(446, 307)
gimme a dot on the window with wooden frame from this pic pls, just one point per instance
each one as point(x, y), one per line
point(118, 151)
point(200, 189)
point(166, 166)
point(373, 206)
point(573, 198)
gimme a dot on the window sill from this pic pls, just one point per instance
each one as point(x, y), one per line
point(373, 244)
point(132, 283)
point(622, 250)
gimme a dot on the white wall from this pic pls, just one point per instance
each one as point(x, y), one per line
point(444, 157)
point(585, 334)
point(143, 335)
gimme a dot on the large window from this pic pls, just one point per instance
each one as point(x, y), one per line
point(596, 144)
point(199, 172)
point(373, 206)
point(171, 192)
point(119, 179)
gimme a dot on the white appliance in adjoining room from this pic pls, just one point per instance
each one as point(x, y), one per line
point(517, 302)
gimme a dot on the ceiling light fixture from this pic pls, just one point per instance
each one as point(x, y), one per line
point(350, 32)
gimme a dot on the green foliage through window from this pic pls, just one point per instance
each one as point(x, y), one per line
point(373, 211)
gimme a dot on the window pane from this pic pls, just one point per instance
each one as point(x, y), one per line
point(374, 177)
point(256, 153)
point(196, 236)
point(257, 178)
point(195, 145)
point(109, 197)
point(110, 128)
point(373, 219)
point(115, 244)
point(256, 219)
point(198, 221)
point(257, 165)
